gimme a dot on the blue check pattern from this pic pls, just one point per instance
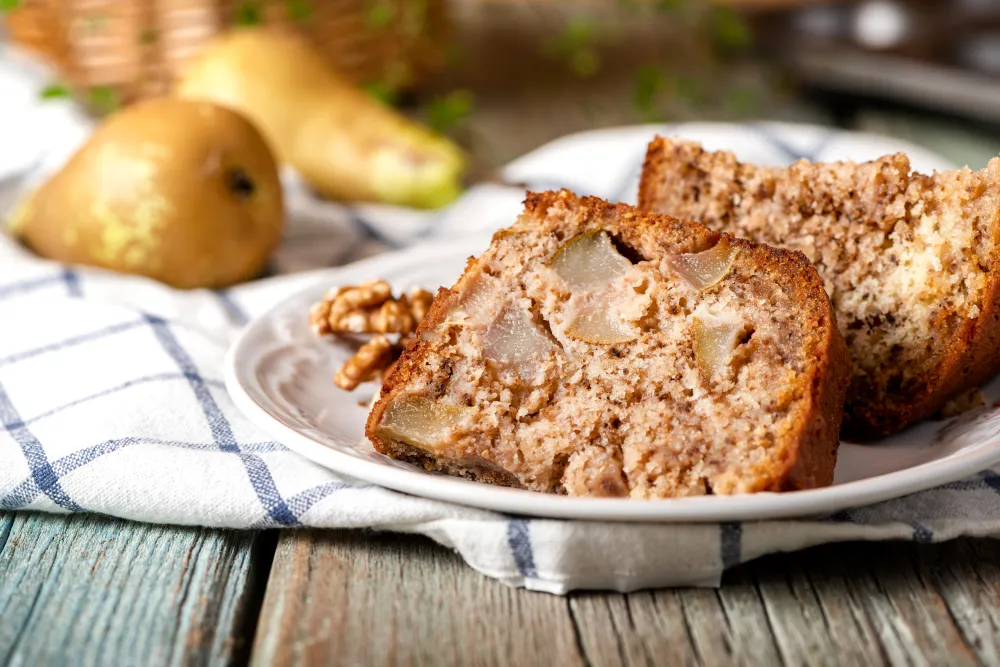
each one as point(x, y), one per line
point(111, 401)
point(41, 485)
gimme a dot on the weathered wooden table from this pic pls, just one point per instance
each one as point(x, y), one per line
point(85, 590)
point(89, 590)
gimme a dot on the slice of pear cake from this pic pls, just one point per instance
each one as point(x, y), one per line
point(596, 350)
point(911, 262)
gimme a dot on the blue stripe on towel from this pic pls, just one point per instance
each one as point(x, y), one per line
point(992, 480)
point(72, 283)
point(69, 342)
point(731, 544)
point(790, 151)
point(34, 454)
point(922, 533)
point(162, 377)
point(370, 230)
point(303, 501)
point(519, 539)
point(222, 433)
point(233, 310)
point(28, 285)
point(26, 492)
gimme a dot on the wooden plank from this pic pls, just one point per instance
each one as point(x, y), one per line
point(347, 598)
point(863, 604)
point(810, 606)
point(353, 598)
point(607, 626)
point(677, 627)
point(90, 590)
point(966, 574)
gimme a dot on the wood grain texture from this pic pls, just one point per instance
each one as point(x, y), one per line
point(89, 590)
point(343, 598)
point(357, 598)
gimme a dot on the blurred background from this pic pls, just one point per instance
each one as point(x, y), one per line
point(503, 76)
point(407, 102)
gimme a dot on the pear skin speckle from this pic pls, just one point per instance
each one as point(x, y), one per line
point(17, 219)
point(132, 240)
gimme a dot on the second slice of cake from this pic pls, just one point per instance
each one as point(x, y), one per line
point(911, 262)
point(596, 350)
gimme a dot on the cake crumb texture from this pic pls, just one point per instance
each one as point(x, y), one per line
point(909, 261)
point(571, 357)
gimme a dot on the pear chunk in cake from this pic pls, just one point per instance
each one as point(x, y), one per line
point(595, 350)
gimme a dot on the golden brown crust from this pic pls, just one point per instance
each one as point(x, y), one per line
point(822, 426)
point(811, 440)
point(818, 428)
point(969, 356)
point(653, 168)
point(477, 471)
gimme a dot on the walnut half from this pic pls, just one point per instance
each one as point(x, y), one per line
point(369, 308)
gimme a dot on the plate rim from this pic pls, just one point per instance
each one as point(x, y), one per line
point(699, 509)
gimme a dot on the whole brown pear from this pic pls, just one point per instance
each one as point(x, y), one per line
point(181, 191)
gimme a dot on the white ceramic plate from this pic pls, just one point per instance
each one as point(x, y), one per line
point(279, 374)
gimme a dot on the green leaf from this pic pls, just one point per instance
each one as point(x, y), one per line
point(54, 91)
point(248, 13)
point(730, 30)
point(577, 34)
point(9, 5)
point(104, 99)
point(455, 55)
point(382, 92)
point(416, 21)
point(378, 14)
point(689, 90)
point(650, 80)
point(299, 10)
point(445, 112)
point(576, 45)
point(666, 6)
point(671, 6)
point(743, 100)
point(585, 63)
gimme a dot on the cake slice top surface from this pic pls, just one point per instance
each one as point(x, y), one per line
point(596, 350)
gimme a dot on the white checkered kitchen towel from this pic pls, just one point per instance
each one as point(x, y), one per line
point(111, 394)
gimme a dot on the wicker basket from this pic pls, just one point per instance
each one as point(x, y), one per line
point(137, 47)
